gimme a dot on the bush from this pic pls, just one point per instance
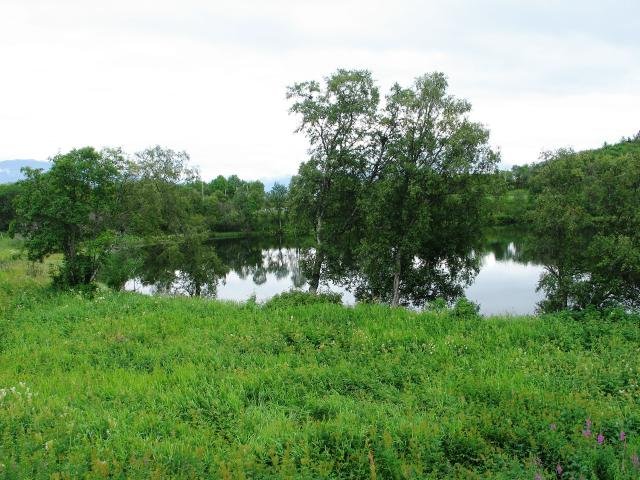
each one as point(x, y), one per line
point(464, 308)
point(295, 298)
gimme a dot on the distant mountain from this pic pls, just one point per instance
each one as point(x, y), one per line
point(270, 182)
point(10, 169)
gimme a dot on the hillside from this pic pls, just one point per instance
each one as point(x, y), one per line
point(129, 386)
point(10, 169)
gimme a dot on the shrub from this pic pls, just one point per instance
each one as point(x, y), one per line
point(295, 298)
point(464, 308)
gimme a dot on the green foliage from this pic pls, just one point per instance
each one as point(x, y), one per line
point(8, 193)
point(397, 194)
point(155, 200)
point(511, 207)
point(337, 118)
point(277, 204)
point(295, 298)
point(586, 222)
point(123, 263)
point(464, 308)
point(126, 386)
point(70, 209)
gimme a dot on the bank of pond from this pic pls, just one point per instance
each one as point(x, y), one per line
point(120, 385)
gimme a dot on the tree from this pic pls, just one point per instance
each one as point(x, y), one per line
point(337, 119)
point(249, 201)
point(277, 201)
point(8, 193)
point(586, 222)
point(156, 201)
point(70, 209)
point(424, 212)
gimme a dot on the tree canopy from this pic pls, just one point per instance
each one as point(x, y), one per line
point(399, 189)
point(70, 209)
point(586, 225)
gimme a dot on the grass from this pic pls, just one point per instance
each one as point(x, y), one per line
point(127, 386)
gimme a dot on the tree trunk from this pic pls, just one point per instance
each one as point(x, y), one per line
point(396, 279)
point(314, 281)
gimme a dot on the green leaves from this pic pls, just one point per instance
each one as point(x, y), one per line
point(70, 209)
point(586, 223)
point(393, 194)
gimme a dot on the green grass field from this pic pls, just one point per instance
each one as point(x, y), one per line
point(127, 386)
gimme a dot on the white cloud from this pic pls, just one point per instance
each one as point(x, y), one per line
point(210, 77)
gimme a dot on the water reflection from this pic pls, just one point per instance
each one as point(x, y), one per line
point(239, 269)
point(504, 285)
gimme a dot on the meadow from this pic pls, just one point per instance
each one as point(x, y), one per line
point(120, 385)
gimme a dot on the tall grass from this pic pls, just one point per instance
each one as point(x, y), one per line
point(128, 386)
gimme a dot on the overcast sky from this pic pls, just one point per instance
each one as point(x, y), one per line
point(209, 77)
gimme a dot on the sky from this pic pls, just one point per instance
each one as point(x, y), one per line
point(209, 77)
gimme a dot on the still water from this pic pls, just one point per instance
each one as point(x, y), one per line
point(506, 283)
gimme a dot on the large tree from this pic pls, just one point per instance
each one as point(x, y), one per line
point(71, 209)
point(424, 210)
point(586, 223)
point(337, 118)
point(156, 200)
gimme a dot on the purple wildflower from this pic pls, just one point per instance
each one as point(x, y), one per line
point(553, 427)
point(586, 433)
point(623, 436)
point(559, 469)
point(600, 438)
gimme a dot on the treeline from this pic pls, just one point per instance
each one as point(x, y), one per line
point(94, 206)
point(224, 205)
point(392, 201)
point(585, 226)
point(517, 187)
point(580, 212)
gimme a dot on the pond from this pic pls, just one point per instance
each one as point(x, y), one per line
point(506, 283)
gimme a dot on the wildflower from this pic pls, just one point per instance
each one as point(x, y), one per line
point(635, 460)
point(586, 433)
point(553, 427)
point(559, 469)
point(623, 436)
point(600, 438)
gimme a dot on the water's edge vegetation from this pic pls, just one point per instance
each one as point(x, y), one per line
point(122, 385)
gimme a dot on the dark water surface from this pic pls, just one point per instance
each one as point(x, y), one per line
point(506, 283)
